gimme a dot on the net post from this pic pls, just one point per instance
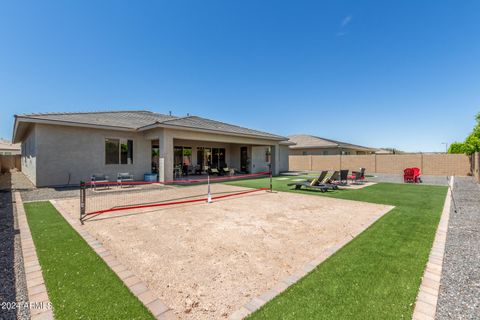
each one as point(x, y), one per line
point(82, 200)
point(270, 172)
point(209, 197)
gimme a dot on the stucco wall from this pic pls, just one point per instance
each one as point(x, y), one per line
point(169, 137)
point(259, 163)
point(324, 151)
point(29, 155)
point(284, 151)
point(67, 155)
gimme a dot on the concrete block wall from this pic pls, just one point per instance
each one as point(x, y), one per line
point(429, 164)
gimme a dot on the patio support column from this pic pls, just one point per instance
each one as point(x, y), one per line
point(275, 158)
point(165, 165)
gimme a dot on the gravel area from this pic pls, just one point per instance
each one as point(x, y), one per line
point(398, 178)
point(459, 296)
point(13, 288)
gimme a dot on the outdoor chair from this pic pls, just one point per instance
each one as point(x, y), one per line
point(357, 176)
point(314, 184)
point(339, 177)
point(317, 183)
point(99, 179)
point(321, 177)
point(225, 170)
point(124, 177)
point(412, 175)
point(213, 171)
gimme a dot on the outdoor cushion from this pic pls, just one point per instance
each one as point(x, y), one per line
point(314, 182)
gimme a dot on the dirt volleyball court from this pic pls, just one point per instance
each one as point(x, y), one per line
point(206, 260)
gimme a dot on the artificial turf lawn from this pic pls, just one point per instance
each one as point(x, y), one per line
point(79, 283)
point(376, 275)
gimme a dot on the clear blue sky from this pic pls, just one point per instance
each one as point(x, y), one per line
point(403, 74)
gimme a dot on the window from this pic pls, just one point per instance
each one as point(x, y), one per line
point(325, 152)
point(304, 153)
point(118, 151)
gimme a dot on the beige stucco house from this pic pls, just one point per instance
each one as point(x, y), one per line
point(7, 148)
point(65, 148)
point(312, 145)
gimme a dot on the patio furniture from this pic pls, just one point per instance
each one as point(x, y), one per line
point(357, 176)
point(99, 179)
point(321, 176)
point(412, 175)
point(314, 185)
point(198, 169)
point(339, 177)
point(225, 170)
point(213, 171)
point(317, 183)
point(123, 177)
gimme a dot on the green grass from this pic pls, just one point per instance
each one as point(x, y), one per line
point(79, 283)
point(376, 275)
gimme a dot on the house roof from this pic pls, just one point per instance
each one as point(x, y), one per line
point(137, 121)
point(305, 141)
point(8, 146)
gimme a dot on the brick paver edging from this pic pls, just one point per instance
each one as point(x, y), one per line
point(131, 281)
point(257, 302)
point(426, 303)
point(39, 303)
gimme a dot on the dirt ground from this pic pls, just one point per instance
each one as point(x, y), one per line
point(206, 260)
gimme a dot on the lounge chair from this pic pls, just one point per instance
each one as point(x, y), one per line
point(315, 185)
point(339, 178)
point(124, 177)
point(319, 183)
point(99, 178)
point(321, 177)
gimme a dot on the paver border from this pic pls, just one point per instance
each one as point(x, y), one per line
point(257, 302)
point(37, 292)
point(427, 298)
point(138, 288)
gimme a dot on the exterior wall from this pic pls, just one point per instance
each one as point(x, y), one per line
point(9, 162)
point(283, 158)
point(314, 151)
point(61, 155)
point(325, 151)
point(207, 144)
point(66, 155)
point(29, 155)
point(429, 164)
point(259, 163)
point(168, 137)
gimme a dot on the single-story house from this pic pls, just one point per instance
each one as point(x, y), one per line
point(65, 148)
point(7, 148)
point(313, 145)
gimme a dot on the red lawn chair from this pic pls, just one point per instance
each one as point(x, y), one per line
point(416, 175)
point(408, 175)
point(412, 175)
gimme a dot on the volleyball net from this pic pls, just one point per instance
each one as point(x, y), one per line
point(100, 197)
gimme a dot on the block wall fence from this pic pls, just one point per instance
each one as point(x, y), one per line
point(429, 164)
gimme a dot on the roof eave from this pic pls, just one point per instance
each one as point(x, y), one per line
point(164, 125)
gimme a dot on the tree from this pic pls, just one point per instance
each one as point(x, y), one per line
point(471, 143)
point(457, 147)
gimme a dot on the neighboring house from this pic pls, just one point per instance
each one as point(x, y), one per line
point(312, 145)
point(64, 148)
point(385, 151)
point(7, 148)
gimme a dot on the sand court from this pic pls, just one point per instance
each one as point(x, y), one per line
point(206, 260)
